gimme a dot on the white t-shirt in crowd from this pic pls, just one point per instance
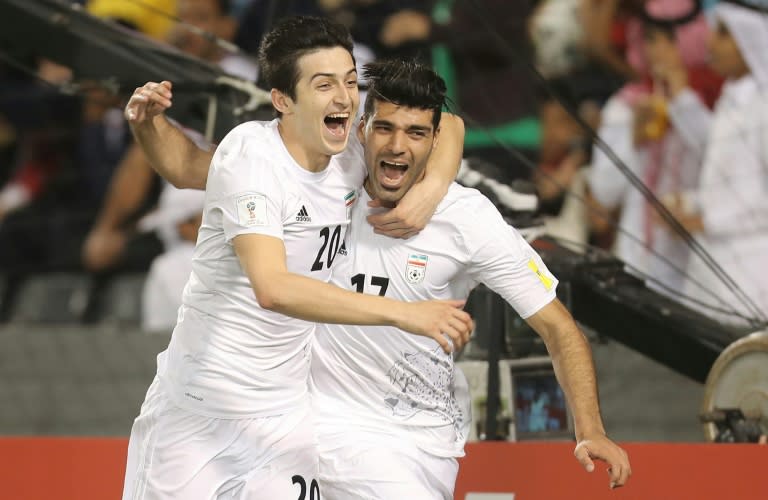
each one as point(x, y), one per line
point(373, 377)
point(228, 357)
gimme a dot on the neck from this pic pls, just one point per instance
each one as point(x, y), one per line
point(314, 162)
point(372, 194)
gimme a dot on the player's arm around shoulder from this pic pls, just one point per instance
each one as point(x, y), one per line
point(263, 259)
point(416, 208)
point(574, 368)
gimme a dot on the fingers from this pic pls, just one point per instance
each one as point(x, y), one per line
point(464, 329)
point(149, 100)
point(458, 326)
point(444, 342)
point(619, 469)
point(399, 233)
point(621, 476)
point(582, 455)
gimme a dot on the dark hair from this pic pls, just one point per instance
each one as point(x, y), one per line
point(405, 83)
point(292, 38)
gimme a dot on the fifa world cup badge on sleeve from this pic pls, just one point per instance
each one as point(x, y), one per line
point(416, 268)
point(252, 210)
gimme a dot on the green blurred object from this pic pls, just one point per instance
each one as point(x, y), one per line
point(525, 132)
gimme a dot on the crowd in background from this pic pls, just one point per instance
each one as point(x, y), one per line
point(677, 94)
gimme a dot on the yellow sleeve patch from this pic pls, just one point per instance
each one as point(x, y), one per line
point(545, 280)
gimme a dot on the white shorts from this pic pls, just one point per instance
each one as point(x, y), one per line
point(364, 466)
point(175, 454)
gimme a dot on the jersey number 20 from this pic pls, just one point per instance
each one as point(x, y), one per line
point(332, 242)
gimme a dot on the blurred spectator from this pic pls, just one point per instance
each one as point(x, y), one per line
point(177, 221)
point(605, 32)
point(649, 135)
point(557, 32)
point(145, 16)
point(113, 243)
point(259, 16)
point(565, 155)
point(728, 209)
point(482, 50)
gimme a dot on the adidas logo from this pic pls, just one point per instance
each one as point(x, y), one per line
point(303, 215)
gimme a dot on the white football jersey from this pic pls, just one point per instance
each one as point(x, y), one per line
point(228, 357)
point(380, 376)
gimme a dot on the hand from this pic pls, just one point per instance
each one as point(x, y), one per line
point(410, 215)
point(439, 319)
point(148, 101)
point(601, 448)
point(102, 248)
point(667, 67)
point(650, 119)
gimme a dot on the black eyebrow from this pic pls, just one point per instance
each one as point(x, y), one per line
point(411, 128)
point(331, 75)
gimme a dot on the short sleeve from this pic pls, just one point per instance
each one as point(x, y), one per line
point(502, 260)
point(243, 184)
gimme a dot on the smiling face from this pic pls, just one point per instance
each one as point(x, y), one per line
point(398, 141)
point(316, 123)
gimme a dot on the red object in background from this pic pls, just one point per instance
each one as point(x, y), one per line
point(92, 469)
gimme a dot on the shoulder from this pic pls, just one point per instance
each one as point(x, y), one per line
point(253, 132)
point(252, 141)
point(464, 202)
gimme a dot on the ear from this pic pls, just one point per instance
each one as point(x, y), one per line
point(361, 130)
point(281, 102)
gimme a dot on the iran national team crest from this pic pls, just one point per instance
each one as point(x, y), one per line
point(417, 267)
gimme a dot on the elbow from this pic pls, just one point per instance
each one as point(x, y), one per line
point(269, 299)
point(175, 181)
point(266, 300)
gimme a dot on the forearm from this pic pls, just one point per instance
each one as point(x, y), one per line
point(172, 154)
point(312, 300)
point(574, 368)
point(127, 190)
point(443, 164)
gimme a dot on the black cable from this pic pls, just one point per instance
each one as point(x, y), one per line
point(694, 245)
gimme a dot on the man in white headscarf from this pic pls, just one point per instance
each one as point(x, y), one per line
point(176, 220)
point(728, 213)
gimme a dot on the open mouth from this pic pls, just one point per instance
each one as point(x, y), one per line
point(336, 123)
point(392, 173)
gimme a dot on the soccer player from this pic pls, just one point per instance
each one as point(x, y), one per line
point(228, 413)
point(391, 410)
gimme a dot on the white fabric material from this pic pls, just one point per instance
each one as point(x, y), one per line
point(228, 357)
point(733, 197)
point(174, 454)
point(164, 287)
point(749, 28)
point(383, 378)
point(377, 465)
point(174, 207)
point(571, 224)
point(680, 166)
